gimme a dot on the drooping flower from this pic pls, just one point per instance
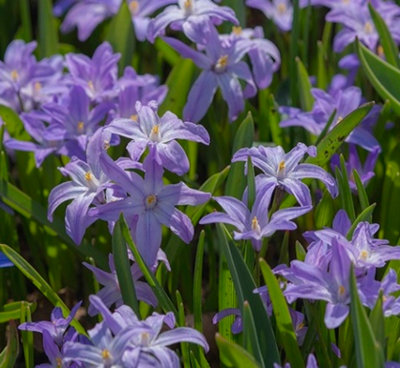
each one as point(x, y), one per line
point(147, 129)
point(284, 170)
point(190, 16)
point(150, 203)
point(222, 67)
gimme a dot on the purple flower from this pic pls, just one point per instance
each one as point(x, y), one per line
point(191, 16)
point(150, 204)
point(283, 169)
point(237, 325)
point(140, 11)
point(222, 66)
point(96, 75)
point(123, 340)
point(255, 224)
point(56, 328)
point(263, 54)
point(87, 185)
point(111, 293)
point(74, 121)
point(87, 15)
point(147, 129)
point(365, 171)
point(333, 285)
point(4, 261)
point(279, 11)
point(344, 101)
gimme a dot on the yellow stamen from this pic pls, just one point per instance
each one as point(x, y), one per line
point(155, 129)
point(37, 86)
point(300, 326)
point(81, 126)
point(364, 254)
point(105, 354)
point(106, 145)
point(281, 166)
point(145, 338)
point(368, 27)
point(282, 8)
point(59, 362)
point(88, 176)
point(188, 4)
point(380, 51)
point(90, 84)
point(14, 75)
point(222, 63)
point(134, 7)
point(134, 117)
point(342, 290)
point(237, 30)
point(151, 200)
point(339, 119)
point(254, 223)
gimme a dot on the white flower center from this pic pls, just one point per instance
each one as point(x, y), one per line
point(151, 201)
point(221, 64)
point(155, 133)
point(134, 7)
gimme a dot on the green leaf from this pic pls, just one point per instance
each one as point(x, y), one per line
point(123, 268)
point(9, 355)
point(304, 86)
point(334, 139)
point(244, 286)
point(377, 320)
point(39, 282)
point(389, 46)
point(197, 284)
point(250, 333)
point(12, 311)
point(282, 317)
point(244, 137)
point(362, 194)
point(26, 20)
point(178, 82)
point(300, 251)
point(13, 123)
point(363, 216)
point(121, 35)
point(369, 354)
point(233, 355)
point(345, 190)
point(293, 53)
point(383, 76)
point(210, 186)
point(48, 30)
point(251, 184)
point(162, 297)
point(27, 336)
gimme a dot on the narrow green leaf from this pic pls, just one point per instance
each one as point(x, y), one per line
point(12, 311)
point(121, 35)
point(363, 216)
point(345, 190)
point(389, 46)
point(26, 20)
point(384, 77)
point(39, 282)
point(324, 211)
point(369, 354)
point(251, 184)
point(123, 268)
point(13, 123)
point(326, 128)
point(293, 53)
point(282, 316)
point(250, 333)
point(244, 137)
point(27, 336)
point(244, 286)
point(322, 77)
point(197, 284)
point(9, 355)
point(377, 320)
point(233, 355)
point(165, 302)
point(179, 82)
point(362, 194)
point(48, 30)
point(181, 322)
point(334, 139)
point(304, 86)
point(167, 52)
point(300, 251)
